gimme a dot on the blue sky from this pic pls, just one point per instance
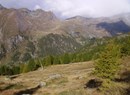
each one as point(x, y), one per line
point(70, 8)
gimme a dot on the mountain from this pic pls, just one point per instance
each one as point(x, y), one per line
point(99, 27)
point(26, 34)
point(1, 7)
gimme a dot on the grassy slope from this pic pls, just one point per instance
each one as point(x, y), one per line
point(74, 77)
point(73, 80)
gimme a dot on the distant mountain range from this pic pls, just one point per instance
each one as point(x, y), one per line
point(26, 34)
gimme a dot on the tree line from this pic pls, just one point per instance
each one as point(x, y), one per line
point(92, 51)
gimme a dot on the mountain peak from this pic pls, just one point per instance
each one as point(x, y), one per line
point(77, 18)
point(1, 6)
point(24, 9)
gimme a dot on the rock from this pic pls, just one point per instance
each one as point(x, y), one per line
point(54, 76)
point(42, 84)
point(7, 78)
point(80, 77)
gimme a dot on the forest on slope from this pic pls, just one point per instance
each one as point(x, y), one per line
point(91, 51)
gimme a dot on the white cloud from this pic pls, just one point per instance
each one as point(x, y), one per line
point(37, 7)
point(93, 8)
point(69, 8)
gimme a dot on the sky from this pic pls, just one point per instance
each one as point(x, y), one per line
point(70, 8)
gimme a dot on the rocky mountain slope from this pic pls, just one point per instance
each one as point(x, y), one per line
point(26, 34)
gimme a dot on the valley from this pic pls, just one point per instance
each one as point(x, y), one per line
point(41, 54)
point(39, 33)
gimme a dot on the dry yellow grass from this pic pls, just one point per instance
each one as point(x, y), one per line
point(66, 79)
point(73, 78)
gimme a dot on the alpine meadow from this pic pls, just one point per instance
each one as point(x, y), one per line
point(68, 47)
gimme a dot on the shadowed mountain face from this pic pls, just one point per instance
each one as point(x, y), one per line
point(115, 28)
point(1, 7)
point(21, 31)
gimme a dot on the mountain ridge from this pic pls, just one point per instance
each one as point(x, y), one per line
point(23, 26)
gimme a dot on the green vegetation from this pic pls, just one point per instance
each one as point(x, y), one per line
point(16, 56)
point(108, 65)
point(26, 57)
point(31, 47)
point(102, 49)
point(108, 62)
point(49, 45)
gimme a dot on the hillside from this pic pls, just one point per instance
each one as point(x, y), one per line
point(27, 34)
point(69, 79)
point(68, 47)
point(55, 79)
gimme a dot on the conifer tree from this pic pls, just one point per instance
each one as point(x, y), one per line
point(49, 60)
point(56, 60)
point(125, 50)
point(108, 63)
point(65, 59)
point(31, 65)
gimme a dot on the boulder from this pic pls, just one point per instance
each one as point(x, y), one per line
point(42, 84)
point(54, 76)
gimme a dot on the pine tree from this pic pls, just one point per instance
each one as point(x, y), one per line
point(65, 59)
point(31, 65)
point(24, 68)
point(108, 63)
point(39, 62)
point(49, 60)
point(125, 50)
point(56, 60)
point(16, 69)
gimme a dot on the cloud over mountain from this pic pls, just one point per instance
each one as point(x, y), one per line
point(69, 8)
